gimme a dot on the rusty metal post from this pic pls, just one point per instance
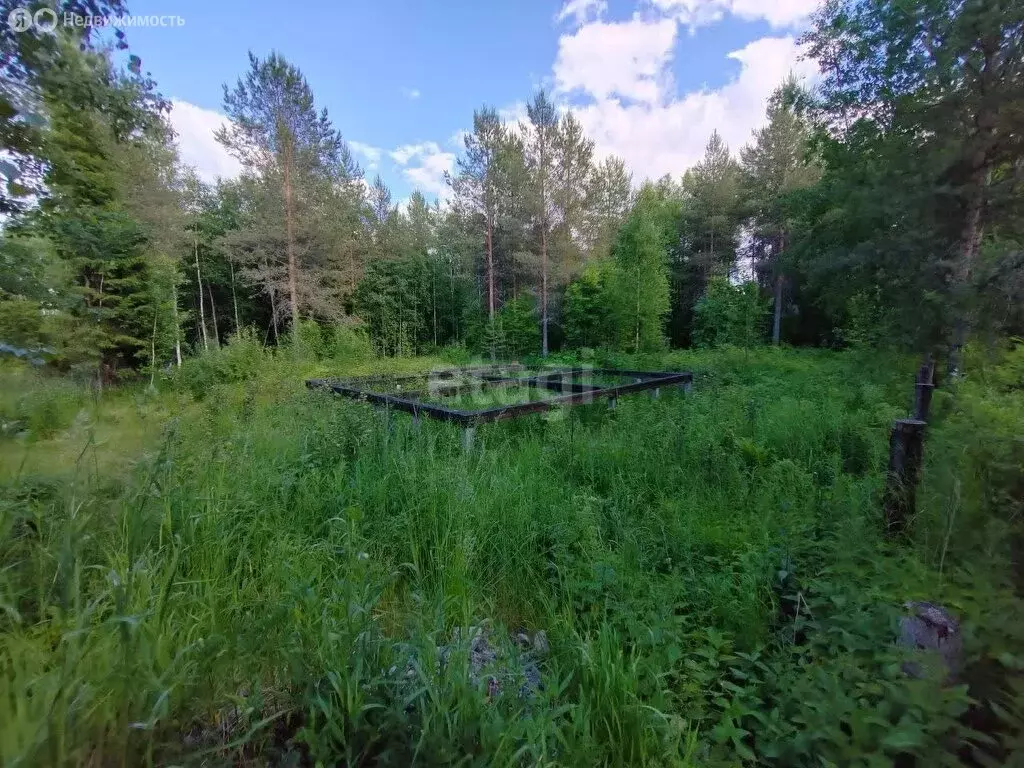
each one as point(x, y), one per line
point(906, 452)
point(922, 400)
point(923, 388)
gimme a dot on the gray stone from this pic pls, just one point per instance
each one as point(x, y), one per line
point(540, 642)
point(932, 628)
point(491, 663)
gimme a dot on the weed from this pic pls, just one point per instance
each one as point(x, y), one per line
point(274, 578)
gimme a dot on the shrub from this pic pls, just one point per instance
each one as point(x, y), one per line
point(730, 314)
point(519, 325)
point(239, 360)
point(38, 403)
point(333, 342)
point(585, 309)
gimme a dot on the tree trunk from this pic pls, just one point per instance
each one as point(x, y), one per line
point(177, 329)
point(199, 285)
point(490, 269)
point(213, 314)
point(543, 244)
point(433, 297)
point(152, 354)
point(289, 224)
point(970, 242)
point(777, 319)
point(273, 317)
point(970, 237)
point(234, 296)
point(544, 287)
point(637, 342)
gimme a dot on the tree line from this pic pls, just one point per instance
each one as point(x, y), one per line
point(882, 206)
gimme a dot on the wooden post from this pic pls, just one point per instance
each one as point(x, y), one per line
point(923, 389)
point(922, 400)
point(906, 451)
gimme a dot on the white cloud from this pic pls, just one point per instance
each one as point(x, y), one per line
point(657, 131)
point(196, 145)
point(424, 165)
point(617, 76)
point(624, 59)
point(458, 139)
point(698, 13)
point(403, 154)
point(514, 113)
point(368, 151)
point(582, 10)
point(411, 93)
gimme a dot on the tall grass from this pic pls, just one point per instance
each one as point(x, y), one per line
point(288, 577)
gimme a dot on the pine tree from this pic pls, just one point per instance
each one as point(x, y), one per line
point(299, 159)
point(574, 168)
point(542, 130)
point(607, 203)
point(938, 88)
point(108, 160)
point(639, 286)
point(772, 168)
point(712, 189)
point(475, 187)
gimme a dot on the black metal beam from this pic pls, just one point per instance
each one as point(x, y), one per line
point(579, 392)
point(576, 398)
point(543, 382)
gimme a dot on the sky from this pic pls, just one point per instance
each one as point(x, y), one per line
point(649, 80)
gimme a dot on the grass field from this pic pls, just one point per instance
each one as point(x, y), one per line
point(237, 570)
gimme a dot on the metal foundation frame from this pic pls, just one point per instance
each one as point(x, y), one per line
point(566, 381)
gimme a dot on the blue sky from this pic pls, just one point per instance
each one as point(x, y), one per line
point(649, 80)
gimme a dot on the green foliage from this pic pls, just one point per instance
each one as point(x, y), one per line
point(279, 577)
point(868, 324)
point(973, 471)
point(23, 324)
point(638, 285)
point(104, 149)
point(730, 314)
point(239, 360)
point(342, 343)
point(910, 183)
point(36, 404)
point(281, 574)
point(516, 331)
point(388, 301)
point(585, 309)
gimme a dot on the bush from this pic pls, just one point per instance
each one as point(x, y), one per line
point(456, 354)
point(868, 324)
point(36, 403)
point(239, 360)
point(514, 332)
point(333, 342)
point(730, 314)
point(585, 309)
point(519, 327)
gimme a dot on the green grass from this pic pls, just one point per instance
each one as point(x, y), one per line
point(271, 575)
